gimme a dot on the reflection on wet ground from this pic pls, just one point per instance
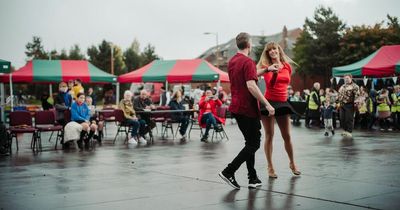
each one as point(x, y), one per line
point(336, 174)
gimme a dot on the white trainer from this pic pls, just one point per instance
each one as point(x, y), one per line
point(132, 140)
point(142, 140)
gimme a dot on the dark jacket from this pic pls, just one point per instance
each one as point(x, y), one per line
point(175, 105)
point(61, 105)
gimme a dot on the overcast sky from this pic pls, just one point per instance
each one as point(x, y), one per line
point(176, 28)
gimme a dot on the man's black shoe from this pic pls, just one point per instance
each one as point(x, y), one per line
point(326, 134)
point(204, 139)
point(333, 132)
point(254, 182)
point(230, 179)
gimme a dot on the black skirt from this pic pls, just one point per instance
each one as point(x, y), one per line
point(281, 108)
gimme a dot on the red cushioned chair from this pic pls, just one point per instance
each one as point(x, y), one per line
point(45, 122)
point(20, 123)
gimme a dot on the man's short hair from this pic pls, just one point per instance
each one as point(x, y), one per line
point(243, 40)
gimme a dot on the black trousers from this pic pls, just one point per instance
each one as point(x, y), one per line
point(347, 117)
point(250, 128)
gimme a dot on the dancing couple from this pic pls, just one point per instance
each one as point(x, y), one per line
point(247, 100)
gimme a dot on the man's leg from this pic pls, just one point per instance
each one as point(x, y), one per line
point(250, 128)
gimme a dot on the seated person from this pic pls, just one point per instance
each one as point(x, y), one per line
point(94, 119)
point(62, 102)
point(141, 103)
point(208, 113)
point(46, 105)
point(80, 114)
point(130, 117)
point(176, 103)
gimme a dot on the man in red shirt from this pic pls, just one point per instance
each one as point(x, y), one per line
point(244, 107)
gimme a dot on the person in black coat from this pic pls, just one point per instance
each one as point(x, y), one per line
point(177, 103)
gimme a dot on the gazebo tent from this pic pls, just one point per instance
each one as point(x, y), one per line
point(384, 62)
point(53, 71)
point(176, 71)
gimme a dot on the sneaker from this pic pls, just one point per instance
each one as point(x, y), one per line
point(142, 140)
point(132, 140)
point(204, 139)
point(326, 134)
point(333, 132)
point(254, 182)
point(230, 179)
point(183, 138)
point(349, 135)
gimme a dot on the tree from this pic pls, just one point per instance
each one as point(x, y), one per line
point(100, 56)
point(132, 58)
point(317, 48)
point(75, 53)
point(148, 55)
point(360, 41)
point(259, 49)
point(63, 55)
point(34, 49)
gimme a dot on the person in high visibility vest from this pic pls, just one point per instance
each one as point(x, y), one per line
point(383, 107)
point(313, 105)
point(396, 107)
point(348, 93)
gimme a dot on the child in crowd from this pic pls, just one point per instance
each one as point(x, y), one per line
point(327, 112)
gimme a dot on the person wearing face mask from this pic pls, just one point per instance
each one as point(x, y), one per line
point(80, 113)
point(348, 93)
point(62, 102)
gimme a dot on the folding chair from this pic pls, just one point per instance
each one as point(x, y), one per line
point(122, 126)
point(45, 122)
point(221, 112)
point(107, 116)
point(21, 122)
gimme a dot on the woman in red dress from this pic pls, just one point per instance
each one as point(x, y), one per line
point(208, 113)
point(274, 66)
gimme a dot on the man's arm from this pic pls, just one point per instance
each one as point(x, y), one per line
point(256, 92)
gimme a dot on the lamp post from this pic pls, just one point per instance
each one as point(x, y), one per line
point(217, 50)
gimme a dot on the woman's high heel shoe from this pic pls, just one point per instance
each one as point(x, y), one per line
point(294, 170)
point(271, 173)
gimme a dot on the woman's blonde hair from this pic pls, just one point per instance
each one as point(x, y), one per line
point(265, 59)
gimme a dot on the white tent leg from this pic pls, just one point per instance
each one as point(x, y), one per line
point(3, 106)
point(11, 94)
point(218, 85)
point(50, 90)
point(117, 94)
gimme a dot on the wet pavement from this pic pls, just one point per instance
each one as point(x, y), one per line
point(336, 174)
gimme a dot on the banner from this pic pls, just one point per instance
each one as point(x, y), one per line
point(394, 80)
point(365, 81)
point(337, 80)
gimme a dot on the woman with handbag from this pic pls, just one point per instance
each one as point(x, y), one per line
point(274, 66)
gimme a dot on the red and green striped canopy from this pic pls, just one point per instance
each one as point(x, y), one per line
point(383, 62)
point(175, 71)
point(50, 71)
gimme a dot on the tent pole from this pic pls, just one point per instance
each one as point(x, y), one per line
point(3, 106)
point(166, 86)
point(218, 85)
point(50, 90)
point(117, 94)
point(11, 94)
